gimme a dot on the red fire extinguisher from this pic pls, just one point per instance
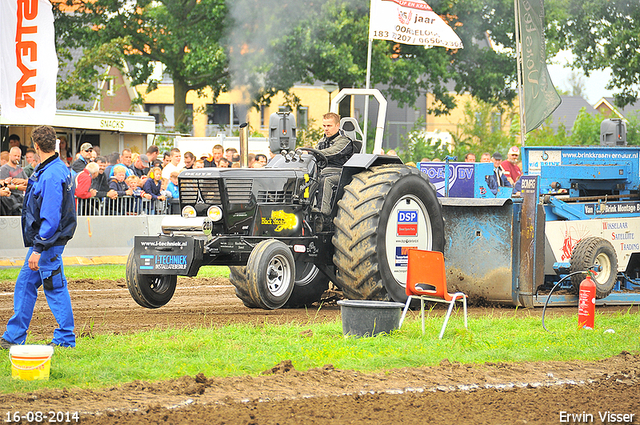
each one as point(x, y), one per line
point(587, 303)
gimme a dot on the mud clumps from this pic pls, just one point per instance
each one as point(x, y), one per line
point(328, 368)
point(285, 366)
point(201, 379)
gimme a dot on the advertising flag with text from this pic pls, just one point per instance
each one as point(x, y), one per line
point(410, 22)
point(540, 96)
point(28, 62)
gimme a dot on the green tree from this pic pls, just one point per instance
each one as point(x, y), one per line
point(602, 34)
point(546, 136)
point(482, 129)
point(329, 43)
point(585, 132)
point(184, 35)
point(417, 145)
point(576, 82)
point(633, 130)
point(586, 129)
point(81, 78)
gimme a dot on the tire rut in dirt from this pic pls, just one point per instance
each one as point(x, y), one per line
point(588, 252)
point(362, 266)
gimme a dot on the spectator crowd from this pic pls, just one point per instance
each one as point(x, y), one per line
point(116, 184)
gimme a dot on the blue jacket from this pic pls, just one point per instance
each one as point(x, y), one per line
point(120, 187)
point(173, 189)
point(49, 213)
point(152, 188)
point(494, 184)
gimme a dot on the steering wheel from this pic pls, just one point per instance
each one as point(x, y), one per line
point(321, 159)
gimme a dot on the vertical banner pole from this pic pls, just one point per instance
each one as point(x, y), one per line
point(366, 98)
point(519, 70)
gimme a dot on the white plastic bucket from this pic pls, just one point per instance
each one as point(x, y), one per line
point(30, 362)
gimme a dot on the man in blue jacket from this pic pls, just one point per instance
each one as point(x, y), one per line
point(498, 178)
point(48, 223)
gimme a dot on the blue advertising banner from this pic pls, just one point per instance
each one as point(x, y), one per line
point(461, 178)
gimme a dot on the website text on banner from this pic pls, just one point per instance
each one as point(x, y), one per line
point(28, 62)
point(410, 22)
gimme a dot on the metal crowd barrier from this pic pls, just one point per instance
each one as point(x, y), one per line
point(125, 205)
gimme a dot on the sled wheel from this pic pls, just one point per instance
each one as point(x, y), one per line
point(270, 274)
point(309, 286)
point(595, 251)
point(384, 211)
point(149, 290)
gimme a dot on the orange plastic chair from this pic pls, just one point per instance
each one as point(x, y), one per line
point(426, 280)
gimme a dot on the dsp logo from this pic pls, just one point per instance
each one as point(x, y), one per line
point(407, 223)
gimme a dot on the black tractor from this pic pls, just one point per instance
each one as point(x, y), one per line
point(266, 226)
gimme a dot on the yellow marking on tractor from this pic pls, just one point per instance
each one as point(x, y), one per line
point(285, 221)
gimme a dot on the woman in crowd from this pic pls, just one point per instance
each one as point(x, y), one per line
point(153, 185)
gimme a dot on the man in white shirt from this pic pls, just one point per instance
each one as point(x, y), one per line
point(173, 165)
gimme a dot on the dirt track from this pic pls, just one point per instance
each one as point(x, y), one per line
point(490, 393)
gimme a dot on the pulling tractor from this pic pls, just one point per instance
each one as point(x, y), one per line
point(265, 225)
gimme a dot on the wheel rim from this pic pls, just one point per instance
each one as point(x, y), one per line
point(604, 262)
point(404, 231)
point(159, 284)
point(278, 275)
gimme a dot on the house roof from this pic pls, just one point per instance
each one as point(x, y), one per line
point(568, 110)
point(625, 112)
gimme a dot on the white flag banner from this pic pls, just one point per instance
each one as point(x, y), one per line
point(410, 22)
point(28, 62)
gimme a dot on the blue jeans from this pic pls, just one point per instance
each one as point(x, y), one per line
point(51, 275)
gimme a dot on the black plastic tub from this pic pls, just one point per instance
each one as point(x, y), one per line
point(363, 318)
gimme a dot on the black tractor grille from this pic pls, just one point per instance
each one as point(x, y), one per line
point(238, 190)
point(193, 191)
point(275, 197)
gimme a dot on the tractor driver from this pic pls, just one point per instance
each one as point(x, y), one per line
point(338, 148)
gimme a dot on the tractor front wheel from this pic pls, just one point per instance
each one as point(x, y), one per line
point(150, 291)
point(270, 274)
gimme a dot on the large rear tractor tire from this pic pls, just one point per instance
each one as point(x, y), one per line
point(384, 211)
point(150, 291)
point(271, 272)
point(595, 251)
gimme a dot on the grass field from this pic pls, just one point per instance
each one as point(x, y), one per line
point(106, 360)
point(106, 272)
point(240, 349)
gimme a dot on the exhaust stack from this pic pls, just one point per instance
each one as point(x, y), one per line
point(244, 145)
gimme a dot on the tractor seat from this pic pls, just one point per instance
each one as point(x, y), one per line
point(351, 129)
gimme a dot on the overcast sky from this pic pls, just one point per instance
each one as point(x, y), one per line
point(594, 85)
